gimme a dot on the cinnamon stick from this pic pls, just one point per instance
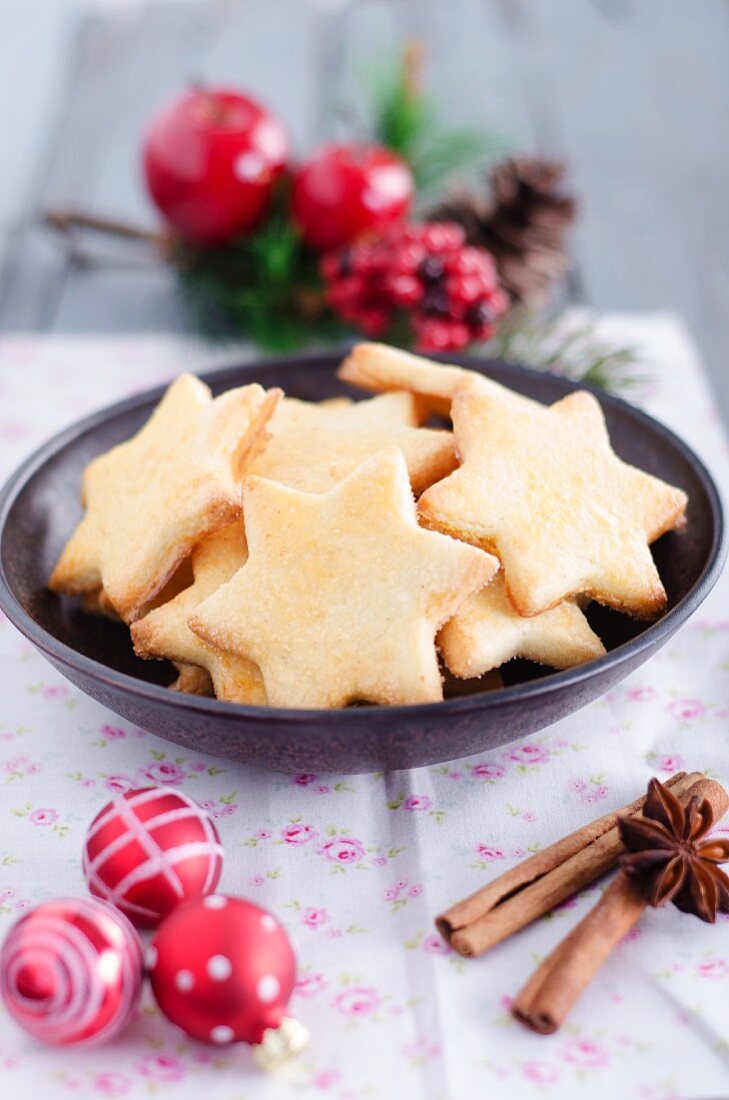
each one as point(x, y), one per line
point(532, 888)
point(550, 993)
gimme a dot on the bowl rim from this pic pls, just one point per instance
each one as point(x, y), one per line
point(62, 654)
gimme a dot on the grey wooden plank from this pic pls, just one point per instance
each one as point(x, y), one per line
point(35, 37)
point(152, 60)
point(271, 50)
point(649, 235)
point(475, 69)
point(140, 300)
point(267, 48)
point(35, 266)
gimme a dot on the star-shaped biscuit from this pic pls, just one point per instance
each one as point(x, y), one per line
point(149, 500)
point(312, 447)
point(381, 368)
point(486, 632)
point(342, 593)
point(542, 489)
point(164, 632)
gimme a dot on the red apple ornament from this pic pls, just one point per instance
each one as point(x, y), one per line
point(344, 190)
point(211, 157)
point(71, 971)
point(223, 970)
point(149, 849)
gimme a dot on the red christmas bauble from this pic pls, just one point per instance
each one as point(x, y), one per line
point(211, 157)
point(222, 969)
point(344, 190)
point(71, 971)
point(148, 850)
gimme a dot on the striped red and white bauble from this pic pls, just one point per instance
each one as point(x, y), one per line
point(149, 849)
point(71, 971)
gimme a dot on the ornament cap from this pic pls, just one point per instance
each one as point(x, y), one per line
point(280, 1044)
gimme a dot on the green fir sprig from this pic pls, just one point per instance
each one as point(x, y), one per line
point(403, 116)
point(564, 346)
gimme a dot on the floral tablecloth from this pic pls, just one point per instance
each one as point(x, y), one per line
point(357, 867)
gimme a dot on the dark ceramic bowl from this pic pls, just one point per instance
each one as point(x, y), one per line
point(39, 508)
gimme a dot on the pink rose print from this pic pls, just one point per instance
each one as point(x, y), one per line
point(488, 771)
point(299, 834)
point(112, 1084)
point(417, 802)
point(321, 790)
point(161, 1067)
point(313, 917)
point(225, 811)
point(208, 804)
point(343, 849)
point(304, 779)
point(713, 968)
point(263, 834)
point(359, 1000)
point(391, 893)
point(687, 709)
point(585, 1053)
point(55, 691)
point(670, 762)
point(113, 733)
point(379, 861)
point(415, 891)
point(435, 945)
point(15, 763)
point(488, 853)
point(540, 1073)
point(528, 754)
point(326, 1079)
point(43, 817)
point(117, 784)
point(256, 880)
point(422, 1048)
point(163, 772)
point(642, 694)
point(596, 794)
point(199, 766)
point(577, 785)
point(308, 985)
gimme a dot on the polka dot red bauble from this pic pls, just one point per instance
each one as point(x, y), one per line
point(150, 849)
point(223, 970)
point(71, 971)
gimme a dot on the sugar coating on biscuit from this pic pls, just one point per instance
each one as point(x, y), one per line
point(312, 447)
point(342, 593)
point(487, 631)
point(164, 633)
point(542, 488)
point(150, 499)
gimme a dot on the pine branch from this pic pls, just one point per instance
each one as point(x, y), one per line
point(404, 117)
point(573, 350)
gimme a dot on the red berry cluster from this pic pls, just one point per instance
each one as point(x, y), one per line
point(449, 291)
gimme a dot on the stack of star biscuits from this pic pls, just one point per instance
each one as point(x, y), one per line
point(272, 548)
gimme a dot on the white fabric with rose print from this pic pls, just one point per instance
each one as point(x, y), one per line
point(357, 867)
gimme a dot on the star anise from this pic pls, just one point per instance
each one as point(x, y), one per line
point(667, 854)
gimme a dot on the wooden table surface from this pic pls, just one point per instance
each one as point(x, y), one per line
point(633, 93)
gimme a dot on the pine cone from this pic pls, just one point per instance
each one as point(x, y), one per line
point(522, 224)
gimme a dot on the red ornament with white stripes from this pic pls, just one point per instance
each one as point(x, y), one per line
point(71, 971)
point(223, 970)
point(150, 849)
